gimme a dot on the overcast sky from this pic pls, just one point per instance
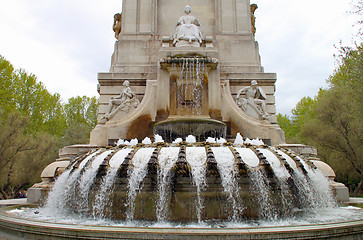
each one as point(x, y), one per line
point(65, 43)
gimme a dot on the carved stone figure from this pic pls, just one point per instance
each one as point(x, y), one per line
point(122, 102)
point(253, 96)
point(117, 24)
point(253, 8)
point(187, 30)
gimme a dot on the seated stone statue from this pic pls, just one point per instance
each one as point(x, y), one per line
point(187, 29)
point(122, 102)
point(255, 97)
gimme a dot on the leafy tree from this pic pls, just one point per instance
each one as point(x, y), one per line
point(82, 110)
point(335, 126)
point(6, 79)
point(22, 92)
point(21, 154)
point(303, 111)
point(33, 99)
point(290, 129)
point(34, 124)
point(331, 121)
point(81, 118)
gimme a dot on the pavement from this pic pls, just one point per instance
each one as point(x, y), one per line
point(355, 200)
point(12, 202)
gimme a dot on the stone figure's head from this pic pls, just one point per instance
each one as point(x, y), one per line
point(254, 83)
point(253, 7)
point(126, 83)
point(117, 17)
point(188, 9)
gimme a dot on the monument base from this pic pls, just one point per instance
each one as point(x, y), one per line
point(183, 43)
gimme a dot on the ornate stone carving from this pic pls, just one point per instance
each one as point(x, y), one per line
point(187, 32)
point(252, 100)
point(253, 8)
point(117, 24)
point(122, 102)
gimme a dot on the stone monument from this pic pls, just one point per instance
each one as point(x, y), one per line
point(215, 43)
point(202, 76)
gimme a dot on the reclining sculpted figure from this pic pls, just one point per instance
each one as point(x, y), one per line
point(254, 96)
point(121, 102)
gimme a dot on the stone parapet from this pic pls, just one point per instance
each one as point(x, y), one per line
point(301, 149)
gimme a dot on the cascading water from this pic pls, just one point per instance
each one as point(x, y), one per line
point(64, 188)
point(260, 185)
point(190, 73)
point(196, 157)
point(307, 197)
point(228, 171)
point(320, 185)
point(102, 198)
point(167, 159)
point(136, 174)
point(87, 180)
point(227, 182)
point(281, 174)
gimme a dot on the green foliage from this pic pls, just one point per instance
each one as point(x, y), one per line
point(291, 130)
point(23, 93)
point(81, 115)
point(332, 121)
point(303, 111)
point(6, 80)
point(22, 156)
point(82, 110)
point(336, 128)
point(34, 124)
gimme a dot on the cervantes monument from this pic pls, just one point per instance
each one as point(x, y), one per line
point(161, 43)
point(180, 69)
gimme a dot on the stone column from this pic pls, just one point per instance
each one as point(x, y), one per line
point(233, 16)
point(138, 16)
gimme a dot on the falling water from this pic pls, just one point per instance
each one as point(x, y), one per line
point(281, 174)
point(260, 185)
point(103, 196)
point(197, 159)
point(56, 195)
point(293, 183)
point(248, 157)
point(87, 180)
point(305, 194)
point(137, 173)
point(167, 158)
point(64, 188)
point(227, 170)
point(321, 187)
point(190, 75)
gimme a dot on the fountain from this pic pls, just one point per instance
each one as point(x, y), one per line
point(187, 98)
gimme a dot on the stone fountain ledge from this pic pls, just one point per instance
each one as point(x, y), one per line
point(27, 229)
point(13, 202)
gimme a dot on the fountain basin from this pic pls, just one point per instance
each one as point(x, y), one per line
point(189, 183)
point(29, 229)
point(201, 128)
